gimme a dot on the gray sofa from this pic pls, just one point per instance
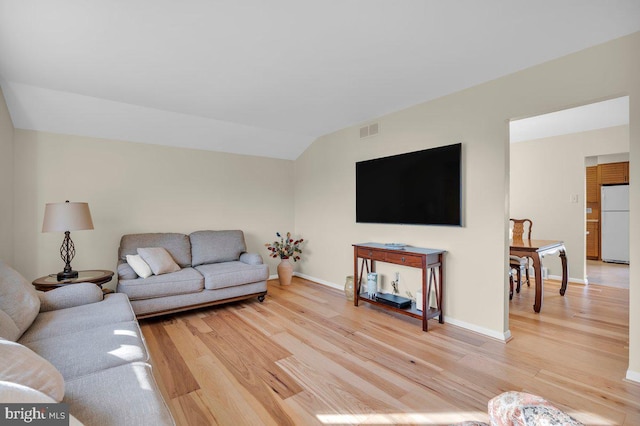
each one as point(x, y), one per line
point(214, 268)
point(73, 345)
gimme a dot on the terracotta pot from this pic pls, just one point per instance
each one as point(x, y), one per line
point(285, 272)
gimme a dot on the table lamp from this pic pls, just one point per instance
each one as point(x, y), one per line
point(66, 217)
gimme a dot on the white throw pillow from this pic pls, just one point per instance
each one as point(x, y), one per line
point(14, 393)
point(23, 366)
point(140, 266)
point(159, 260)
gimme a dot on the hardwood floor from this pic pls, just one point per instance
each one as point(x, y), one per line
point(609, 274)
point(307, 356)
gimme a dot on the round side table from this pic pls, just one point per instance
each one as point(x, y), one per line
point(96, 276)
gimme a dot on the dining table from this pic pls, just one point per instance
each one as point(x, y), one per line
point(536, 250)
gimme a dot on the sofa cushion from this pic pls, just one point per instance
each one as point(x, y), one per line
point(114, 308)
point(158, 259)
point(139, 266)
point(98, 399)
point(186, 280)
point(177, 245)
point(18, 300)
point(126, 272)
point(228, 274)
point(148, 307)
point(216, 246)
point(23, 366)
point(94, 349)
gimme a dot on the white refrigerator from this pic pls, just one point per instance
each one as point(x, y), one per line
point(614, 201)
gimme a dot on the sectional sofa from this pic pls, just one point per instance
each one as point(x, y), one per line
point(212, 267)
point(73, 345)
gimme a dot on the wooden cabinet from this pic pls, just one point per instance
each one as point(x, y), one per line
point(614, 173)
point(593, 187)
point(593, 193)
point(596, 176)
point(593, 240)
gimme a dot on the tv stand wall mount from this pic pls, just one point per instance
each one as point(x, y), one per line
point(431, 261)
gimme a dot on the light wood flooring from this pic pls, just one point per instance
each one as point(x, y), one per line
point(609, 274)
point(307, 356)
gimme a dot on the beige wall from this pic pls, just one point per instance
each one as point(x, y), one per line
point(325, 205)
point(476, 288)
point(546, 199)
point(6, 183)
point(634, 219)
point(133, 188)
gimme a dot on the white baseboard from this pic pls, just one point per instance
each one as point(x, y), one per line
point(319, 281)
point(546, 275)
point(314, 279)
point(503, 337)
point(571, 280)
point(633, 376)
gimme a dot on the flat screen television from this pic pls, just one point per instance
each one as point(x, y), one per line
point(417, 188)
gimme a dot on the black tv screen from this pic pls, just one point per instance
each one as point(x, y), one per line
point(419, 188)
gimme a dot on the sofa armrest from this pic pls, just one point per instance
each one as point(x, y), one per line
point(69, 296)
point(251, 258)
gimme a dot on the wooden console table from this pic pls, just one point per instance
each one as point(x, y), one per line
point(427, 259)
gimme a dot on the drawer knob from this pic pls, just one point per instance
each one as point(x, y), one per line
point(370, 253)
point(402, 259)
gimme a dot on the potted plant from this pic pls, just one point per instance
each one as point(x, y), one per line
point(285, 249)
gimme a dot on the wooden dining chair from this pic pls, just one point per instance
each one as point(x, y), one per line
point(516, 265)
point(520, 228)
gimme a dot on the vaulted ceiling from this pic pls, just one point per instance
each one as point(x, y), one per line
point(268, 77)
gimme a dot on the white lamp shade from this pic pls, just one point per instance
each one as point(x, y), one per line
point(62, 217)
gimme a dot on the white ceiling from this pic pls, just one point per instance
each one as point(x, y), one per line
point(599, 115)
point(268, 77)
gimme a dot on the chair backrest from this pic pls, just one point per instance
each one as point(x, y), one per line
point(519, 226)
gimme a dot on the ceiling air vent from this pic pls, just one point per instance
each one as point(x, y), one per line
point(370, 130)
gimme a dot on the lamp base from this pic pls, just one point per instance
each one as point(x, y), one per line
point(67, 275)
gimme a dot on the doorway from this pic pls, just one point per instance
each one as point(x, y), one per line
point(607, 219)
point(555, 146)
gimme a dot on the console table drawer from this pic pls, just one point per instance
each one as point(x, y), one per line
point(366, 253)
point(404, 259)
